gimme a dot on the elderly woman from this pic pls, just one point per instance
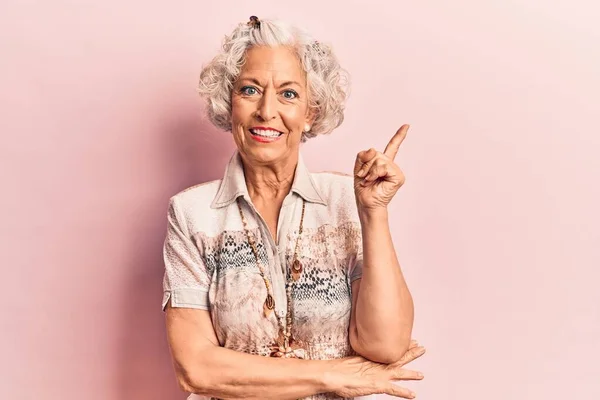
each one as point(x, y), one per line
point(281, 283)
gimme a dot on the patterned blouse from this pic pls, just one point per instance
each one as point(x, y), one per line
point(209, 264)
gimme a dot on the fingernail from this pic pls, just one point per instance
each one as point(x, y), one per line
point(361, 173)
point(420, 374)
point(413, 395)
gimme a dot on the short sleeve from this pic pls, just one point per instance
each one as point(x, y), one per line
point(185, 280)
point(356, 262)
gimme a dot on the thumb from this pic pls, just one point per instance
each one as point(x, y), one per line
point(362, 163)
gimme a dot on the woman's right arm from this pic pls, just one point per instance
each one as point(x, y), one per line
point(205, 368)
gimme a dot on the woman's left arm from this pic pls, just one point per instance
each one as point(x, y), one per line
point(382, 306)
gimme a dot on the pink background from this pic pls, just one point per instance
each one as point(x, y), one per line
point(496, 228)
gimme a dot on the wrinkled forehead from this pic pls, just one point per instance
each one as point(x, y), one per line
point(278, 63)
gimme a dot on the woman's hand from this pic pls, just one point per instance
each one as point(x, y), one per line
point(357, 376)
point(376, 177)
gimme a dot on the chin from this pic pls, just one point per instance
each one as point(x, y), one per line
point(266, 155)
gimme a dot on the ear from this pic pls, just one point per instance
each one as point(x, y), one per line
point(311, 116)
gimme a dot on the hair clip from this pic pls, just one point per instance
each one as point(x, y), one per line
point(317, 47)
point(254, 22)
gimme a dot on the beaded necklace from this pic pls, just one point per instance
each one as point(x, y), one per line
point(285, 345)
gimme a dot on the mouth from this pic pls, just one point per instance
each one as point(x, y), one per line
point(263, 134)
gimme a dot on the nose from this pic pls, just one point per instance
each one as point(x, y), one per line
point(267, 107)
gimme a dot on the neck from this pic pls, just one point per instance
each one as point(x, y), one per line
point(270, 182)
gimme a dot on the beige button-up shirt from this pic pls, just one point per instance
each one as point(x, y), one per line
point(210, 265)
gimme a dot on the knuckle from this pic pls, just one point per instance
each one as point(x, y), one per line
point(402, 373)
point(413, 353)
point(398, 373)
point(408, 356)
point(381, 387)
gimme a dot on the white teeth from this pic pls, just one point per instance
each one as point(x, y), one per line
point(265, 133)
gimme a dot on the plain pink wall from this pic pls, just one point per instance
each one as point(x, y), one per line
point(496, 227)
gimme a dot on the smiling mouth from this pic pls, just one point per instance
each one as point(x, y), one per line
point(266, 133)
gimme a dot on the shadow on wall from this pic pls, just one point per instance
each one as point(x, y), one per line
point(195, 152)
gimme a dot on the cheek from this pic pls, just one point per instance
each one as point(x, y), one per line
point(294, 117)
point(240, 110)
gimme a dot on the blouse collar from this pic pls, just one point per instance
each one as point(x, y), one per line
point(233, 184)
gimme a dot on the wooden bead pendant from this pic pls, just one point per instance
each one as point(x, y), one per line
point(296, 269)
point(289, 348)
point(269, 305)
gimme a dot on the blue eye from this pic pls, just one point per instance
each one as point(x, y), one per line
point(249, 90)
point(290, 94)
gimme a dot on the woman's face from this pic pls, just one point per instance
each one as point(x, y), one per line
point(269, 105)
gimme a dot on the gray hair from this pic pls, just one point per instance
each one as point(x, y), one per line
point(327, 82)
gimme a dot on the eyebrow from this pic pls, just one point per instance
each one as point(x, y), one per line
point(285, 83)
point(288, 83)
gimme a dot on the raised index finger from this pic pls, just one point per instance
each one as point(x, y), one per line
point(392, 148)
